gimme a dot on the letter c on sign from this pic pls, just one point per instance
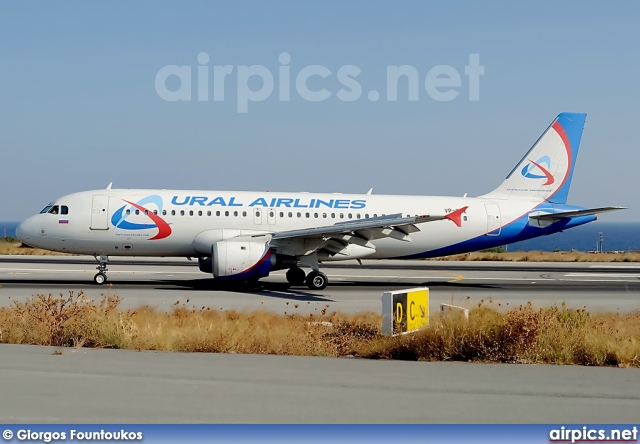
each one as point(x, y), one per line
point(399, 313)
point(411, 310)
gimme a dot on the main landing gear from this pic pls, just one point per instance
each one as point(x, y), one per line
point(296, 276)
point(101, 277)
point(316, 280)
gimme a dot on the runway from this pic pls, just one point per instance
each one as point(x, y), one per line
point(352, 287)
point(119, 386)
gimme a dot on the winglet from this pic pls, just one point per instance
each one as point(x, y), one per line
point(456, 216)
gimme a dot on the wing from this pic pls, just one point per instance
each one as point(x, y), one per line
point(353, 238)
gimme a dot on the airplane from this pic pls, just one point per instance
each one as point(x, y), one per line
point(246, 235)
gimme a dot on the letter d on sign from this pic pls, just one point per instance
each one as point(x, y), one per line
point(404, 311)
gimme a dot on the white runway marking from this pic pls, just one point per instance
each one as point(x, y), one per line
point(386, 277)
point(623, 275)
point(111, 271)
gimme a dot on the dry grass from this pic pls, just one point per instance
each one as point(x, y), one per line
point(554, 335)
point(542, 256)
point(13, 246)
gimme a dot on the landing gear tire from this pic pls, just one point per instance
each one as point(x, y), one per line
point(296, 276)
point(100, 278)
point(317, 280)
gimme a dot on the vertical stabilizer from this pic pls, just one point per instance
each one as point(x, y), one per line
point(544, 173)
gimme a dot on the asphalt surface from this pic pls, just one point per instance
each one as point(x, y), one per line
point(352, 287)
point(38, 384)
point(117, 386)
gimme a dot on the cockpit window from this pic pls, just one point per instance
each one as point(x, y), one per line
point(54, 209)
point(64, 209)
point(45, 209)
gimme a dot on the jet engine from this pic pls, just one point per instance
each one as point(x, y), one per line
point(243, 260)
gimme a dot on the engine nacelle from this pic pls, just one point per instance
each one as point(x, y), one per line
point(240, 260)
point(243, 260)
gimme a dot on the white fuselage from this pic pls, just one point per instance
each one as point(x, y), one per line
point(93, 225)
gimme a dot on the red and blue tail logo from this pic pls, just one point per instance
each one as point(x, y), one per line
point(533, 170)
point(153, 208)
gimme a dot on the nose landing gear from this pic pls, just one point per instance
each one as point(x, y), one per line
point(101, 277)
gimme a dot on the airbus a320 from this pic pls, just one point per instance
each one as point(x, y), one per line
point(246, 235)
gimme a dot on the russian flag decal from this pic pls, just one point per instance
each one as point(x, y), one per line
point(63, 221)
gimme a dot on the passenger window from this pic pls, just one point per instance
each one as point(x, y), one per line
point(200, 213)
point(181, 212)
point(358, 215)
point(155, 212)
point(190, 212)
point(281, 214)
point(290, 214)
point(244, 214)
point(218, 213)
point(375, 214)
point(341, 215)
point(164, 212)
point(146, 212)
point(235, 213)
point(226, 213)
point(137, 211)
point(257, 213)
point(208, 213)
point(271, 214)
point(173, 212)
point(350, 216)
point(315, 215)
point(299, 215)
point(64, 210)
point(306, 215)
point(333, 215)
point(366, 216)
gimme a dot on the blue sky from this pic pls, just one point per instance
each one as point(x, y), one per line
point(79, 106)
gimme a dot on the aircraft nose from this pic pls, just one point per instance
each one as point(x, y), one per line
point(26, 231)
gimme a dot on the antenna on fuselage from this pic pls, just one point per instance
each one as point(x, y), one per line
point(109, 186)
point(370, 191)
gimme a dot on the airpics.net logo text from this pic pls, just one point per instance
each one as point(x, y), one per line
point(313, 83)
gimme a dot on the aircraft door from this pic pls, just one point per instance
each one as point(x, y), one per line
point(494, 222)
point(257, 216)
point(99, 213)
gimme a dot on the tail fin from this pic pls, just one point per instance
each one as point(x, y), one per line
point(544, 173)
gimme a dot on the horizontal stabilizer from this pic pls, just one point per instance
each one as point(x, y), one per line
point(552, 217)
